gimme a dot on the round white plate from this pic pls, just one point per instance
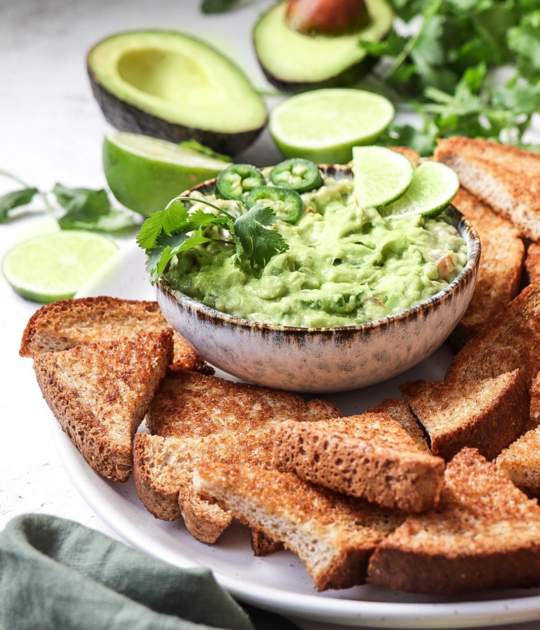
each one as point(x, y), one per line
point(279, 582)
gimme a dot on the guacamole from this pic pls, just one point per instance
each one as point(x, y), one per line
point(344, 266)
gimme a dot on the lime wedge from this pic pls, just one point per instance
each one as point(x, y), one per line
point(144, 173)
point(433, 187)
point(55, 266)
point(380, 176)
point(324, 125)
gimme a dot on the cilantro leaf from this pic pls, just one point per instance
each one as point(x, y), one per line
point(259, 243)
point(217, 6)
point(407, 136)
point(200, 148)
point(15, 199)
point(89, 210)
point(174, 218)
point(159, 258)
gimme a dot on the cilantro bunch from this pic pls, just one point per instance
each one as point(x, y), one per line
point(81, 208)
point(443, 71)
point(170, 232)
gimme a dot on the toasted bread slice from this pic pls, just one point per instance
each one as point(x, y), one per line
point(503, 176)
point(501, 265)
point(532, 262)
point(509, 342)
point(487, 415)
point(369, 456)
point(484, 534)
point(333, 535)
point(534, 417)
point(68, 323)
point(400, 411)
point(413, 155)
point(196, 417)
point(100, 394)
point(520, 462)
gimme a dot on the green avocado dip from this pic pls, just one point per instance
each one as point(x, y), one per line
point(344, 266)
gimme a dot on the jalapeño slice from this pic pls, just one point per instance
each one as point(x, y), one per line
point(286, 203)
point(297, 174)
point(237, 180)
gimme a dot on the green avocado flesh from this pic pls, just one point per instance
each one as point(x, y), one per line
point(293, 57)
point(344, 266)
point(179, 79)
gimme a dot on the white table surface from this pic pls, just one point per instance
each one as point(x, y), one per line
point(51, 130)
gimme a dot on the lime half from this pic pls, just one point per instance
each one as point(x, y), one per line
point(324, 125)
point(144, 173)
point(380, 176)
point(433, 187)
point(55, 266)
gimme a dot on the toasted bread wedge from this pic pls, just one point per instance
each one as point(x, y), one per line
point(400, 411)
point(501, 265)
point(199, 418)
point(509, 342)
point(333, 535)
point(413, 155)
point(68, 323)
point(534, 418)
point(520, 462)
point(503, 176)
point(532, 262)
point(487, 415)
point(100, 393)
point(484, 534)
point(369, 456)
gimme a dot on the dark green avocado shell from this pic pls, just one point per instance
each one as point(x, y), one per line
point(294, 62)
point(136, 113)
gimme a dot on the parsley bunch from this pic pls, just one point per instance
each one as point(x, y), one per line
point(82, 208)
point(443, 70)
point(167, 233)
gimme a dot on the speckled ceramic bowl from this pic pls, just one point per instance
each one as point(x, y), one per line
point(324, 359)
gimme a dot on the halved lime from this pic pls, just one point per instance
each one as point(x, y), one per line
point(324, 125)
point(55, 266)
point(144, 173)
point(433, 187)
point(380, 176)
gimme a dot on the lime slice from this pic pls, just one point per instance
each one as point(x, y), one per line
point(55, 266)
point(380, 176)
point(144, 173)
point(433, 187)
point(324, 125)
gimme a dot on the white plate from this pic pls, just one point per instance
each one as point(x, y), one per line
point(279, 582)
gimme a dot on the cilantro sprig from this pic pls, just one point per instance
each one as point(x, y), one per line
point(167, 233)
point(79, 208)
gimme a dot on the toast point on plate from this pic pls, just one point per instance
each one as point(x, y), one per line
point(195, 418)
point(510, 341)
point(484, 534)
point(68, 323)
point(100, 393)
point(333, 535)
point(503, 176)
point(368, 456)
point(488, 414)
point(499, 274)
point(400, 411)
point(532, 262)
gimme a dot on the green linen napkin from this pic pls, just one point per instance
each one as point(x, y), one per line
point(59, 575)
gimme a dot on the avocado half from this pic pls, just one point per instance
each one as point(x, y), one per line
point(295, 62)
point(172, 86)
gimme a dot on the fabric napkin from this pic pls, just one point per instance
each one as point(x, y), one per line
point(56, 574)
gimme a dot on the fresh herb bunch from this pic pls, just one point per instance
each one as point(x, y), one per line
point(217, 6)
point(167, 233)
point(443, 70)
point(83, 209)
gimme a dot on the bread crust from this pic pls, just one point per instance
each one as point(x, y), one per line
point(484, 534)
point(102, 417)
point(487, 415)
point(368, 456)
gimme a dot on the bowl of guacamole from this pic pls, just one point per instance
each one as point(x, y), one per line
point(355, 298)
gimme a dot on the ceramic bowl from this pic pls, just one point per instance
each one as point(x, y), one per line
point(323, 360)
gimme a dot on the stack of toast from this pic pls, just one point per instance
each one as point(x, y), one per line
point(428, 493)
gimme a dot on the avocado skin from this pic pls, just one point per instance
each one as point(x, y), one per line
point(349, 77)
point(126, 117)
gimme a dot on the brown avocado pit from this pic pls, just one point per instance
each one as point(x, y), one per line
point(333, 17)
point(174, 87)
